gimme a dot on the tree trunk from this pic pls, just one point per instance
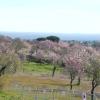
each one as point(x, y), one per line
point(93, 88)
point(2, 70)
point(79, 81)
point(92, 94)
point(54, 69)
point(71, 83)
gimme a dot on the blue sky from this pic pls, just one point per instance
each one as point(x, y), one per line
point(63, 16)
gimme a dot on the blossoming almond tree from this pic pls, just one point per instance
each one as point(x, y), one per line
point(54, 59)
point(70, 69)
point(75, 60)
point(93, 72)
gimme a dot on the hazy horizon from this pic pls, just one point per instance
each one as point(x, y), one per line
point(62, 36)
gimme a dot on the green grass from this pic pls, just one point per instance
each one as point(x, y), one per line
point(39, 68)
point(15, 95)
point(36, 96)
point(10, 92)
point(9, 96)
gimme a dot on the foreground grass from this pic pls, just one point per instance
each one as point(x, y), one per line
point(16, 87)
point(35, 96)
point(19, 86)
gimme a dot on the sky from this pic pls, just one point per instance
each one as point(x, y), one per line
point(59, 16)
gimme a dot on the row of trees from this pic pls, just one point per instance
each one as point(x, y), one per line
point(77, 60)
point(51, 38)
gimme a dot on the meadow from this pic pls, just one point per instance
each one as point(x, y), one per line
point(34, 76)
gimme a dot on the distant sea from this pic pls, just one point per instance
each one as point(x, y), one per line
point(62, 36)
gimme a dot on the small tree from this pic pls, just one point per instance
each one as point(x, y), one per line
point(70, 68)
point(54, 58)
point(76, 57)
point(73, 73)
point(93, 72)
point(8, 63)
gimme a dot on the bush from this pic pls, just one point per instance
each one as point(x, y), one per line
point(41, 39)
point(53, 38)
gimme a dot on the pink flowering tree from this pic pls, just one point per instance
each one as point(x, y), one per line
point(48, 51)
point(39, 55)
point(92, 70)
point(75, 61)
point(70, 68)
point(54, 59)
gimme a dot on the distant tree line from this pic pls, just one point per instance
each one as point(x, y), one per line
point(51, 38)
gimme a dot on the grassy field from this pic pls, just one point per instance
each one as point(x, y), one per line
point(39, 96)
point(20, 86)
point(32, 67)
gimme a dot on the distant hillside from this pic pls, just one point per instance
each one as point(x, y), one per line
point(63, 36)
